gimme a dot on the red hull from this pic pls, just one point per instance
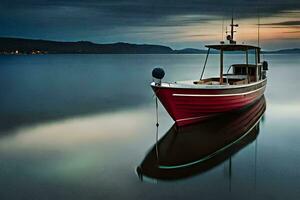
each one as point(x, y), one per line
point(190, 105)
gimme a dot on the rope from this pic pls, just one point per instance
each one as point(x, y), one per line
point(204, 64)
point(222, 34)
point(157, 125)
point(255, 160)
point(258, 26)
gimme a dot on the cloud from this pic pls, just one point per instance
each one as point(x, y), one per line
point(291, 31)
point(129, 20)
point(148, 12)
point(284, 23)
point(200, 35)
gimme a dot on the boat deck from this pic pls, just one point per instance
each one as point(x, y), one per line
point(211, 83)
point(229, 80)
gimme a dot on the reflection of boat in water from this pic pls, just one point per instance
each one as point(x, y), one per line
point(185, 151)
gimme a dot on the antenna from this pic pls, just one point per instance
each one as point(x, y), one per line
point(258, 25)
point(222, 33)
point(232, 31)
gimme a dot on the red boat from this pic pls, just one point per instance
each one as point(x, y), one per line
point(196, 100)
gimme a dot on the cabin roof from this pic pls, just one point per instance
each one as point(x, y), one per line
point(232, 47)
point(244, 65)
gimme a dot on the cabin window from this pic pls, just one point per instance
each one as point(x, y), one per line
point(240, 71)
point(252, 71)
point(252, 56)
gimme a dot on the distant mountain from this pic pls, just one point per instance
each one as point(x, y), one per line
point(202, 51)
point(82, 47)
point(284, 51)
point(190, 51)
point(30, 46)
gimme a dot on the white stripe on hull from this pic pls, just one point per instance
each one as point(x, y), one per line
point(217, 95)
point(192, 118)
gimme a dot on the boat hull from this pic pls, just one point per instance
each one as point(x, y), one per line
point(190, 105)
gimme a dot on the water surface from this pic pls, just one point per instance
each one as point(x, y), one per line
point(77, 126)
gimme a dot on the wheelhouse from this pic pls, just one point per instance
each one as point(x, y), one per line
point(241, 73)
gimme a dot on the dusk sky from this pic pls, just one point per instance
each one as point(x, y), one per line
point(176, 23)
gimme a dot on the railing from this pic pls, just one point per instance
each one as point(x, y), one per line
point(234, 76)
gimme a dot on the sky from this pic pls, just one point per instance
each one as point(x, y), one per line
point(175, 23)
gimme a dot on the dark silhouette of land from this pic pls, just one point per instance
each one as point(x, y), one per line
point(30, 46)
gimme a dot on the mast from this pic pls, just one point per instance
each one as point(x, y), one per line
point(221, 67)
point(232, 31)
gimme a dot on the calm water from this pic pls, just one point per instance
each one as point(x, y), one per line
point(77, 127)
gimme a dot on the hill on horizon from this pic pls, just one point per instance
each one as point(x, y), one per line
point(10, 45)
